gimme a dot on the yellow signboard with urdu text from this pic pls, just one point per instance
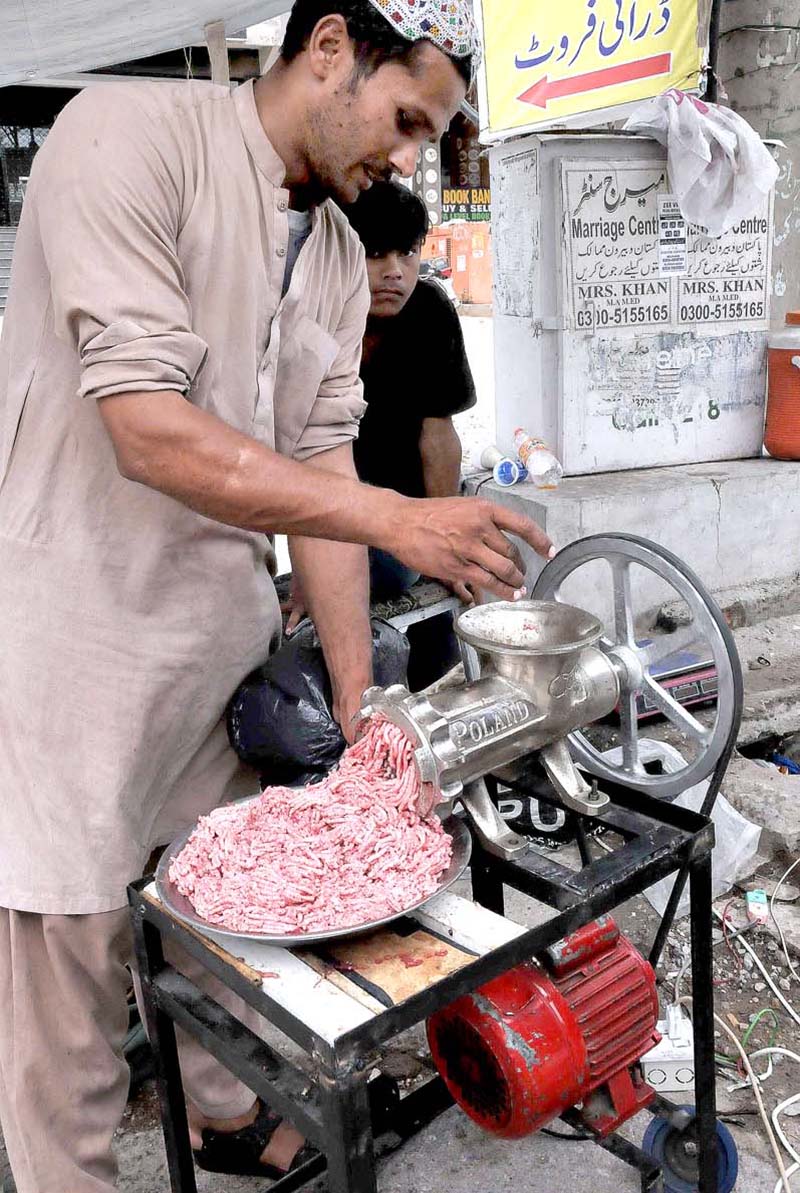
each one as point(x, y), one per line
point(547, 63)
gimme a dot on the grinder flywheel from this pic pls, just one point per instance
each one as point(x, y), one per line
point(634, 661)
point(540, 671)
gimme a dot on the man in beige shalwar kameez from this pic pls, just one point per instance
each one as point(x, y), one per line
point(179, 377)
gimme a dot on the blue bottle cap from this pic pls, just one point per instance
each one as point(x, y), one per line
point(507, 472)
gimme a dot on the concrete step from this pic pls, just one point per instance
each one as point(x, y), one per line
point(733, 523)
point(770, 654)
point(767, 798)
point(745, 604)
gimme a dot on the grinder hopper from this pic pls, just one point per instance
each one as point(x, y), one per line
point(539, 676)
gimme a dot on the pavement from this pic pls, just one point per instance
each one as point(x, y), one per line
point(453, 1156)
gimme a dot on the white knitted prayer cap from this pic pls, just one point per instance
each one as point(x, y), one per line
point(449, 24)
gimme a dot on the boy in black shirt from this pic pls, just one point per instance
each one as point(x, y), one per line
point(414, 368)
point(416, 377)
point(415, 372)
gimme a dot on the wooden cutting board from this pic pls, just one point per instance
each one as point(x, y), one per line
point(386, 968)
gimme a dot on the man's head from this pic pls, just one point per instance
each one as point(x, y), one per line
point(392, 224)
point(373, 94)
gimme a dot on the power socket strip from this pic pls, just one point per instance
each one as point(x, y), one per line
point(669, 1067)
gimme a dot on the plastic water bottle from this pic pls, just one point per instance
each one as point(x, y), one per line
point(544, 470)
point(505, 471)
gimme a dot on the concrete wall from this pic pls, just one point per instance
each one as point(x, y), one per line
point(759, 70)
point(477, 427)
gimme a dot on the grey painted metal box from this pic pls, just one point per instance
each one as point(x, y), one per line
point(623, 337)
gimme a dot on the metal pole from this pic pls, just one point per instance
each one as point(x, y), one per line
point(668, 918)
point(161, 1032)
point(703, 1024)
point(348, 1125)
point(712, 85)
point(583, 843)
point(487, 887)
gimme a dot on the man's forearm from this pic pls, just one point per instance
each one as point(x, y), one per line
point(334, 580)
point(163, 441)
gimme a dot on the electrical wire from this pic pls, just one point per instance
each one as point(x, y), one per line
point(754, 1022)
point(790, 1171)
point(781, 881)
point(681, 974)
point(765, 1076)
point(485, 481)
point(687, 962)
point(784, 1176)
point(723, 1059)
point(746, 74)
point(566, 1138)
point(767, 978)
point(778, 1111)
point(772, 1050)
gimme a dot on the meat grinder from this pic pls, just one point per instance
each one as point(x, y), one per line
point(539, 671)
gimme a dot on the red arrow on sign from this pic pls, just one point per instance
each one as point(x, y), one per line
point(541, 93)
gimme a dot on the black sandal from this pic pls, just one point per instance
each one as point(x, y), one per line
point(238, 1153)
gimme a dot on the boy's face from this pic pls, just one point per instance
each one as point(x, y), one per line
point(392, 279)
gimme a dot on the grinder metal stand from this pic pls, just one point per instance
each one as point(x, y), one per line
point(544, 671)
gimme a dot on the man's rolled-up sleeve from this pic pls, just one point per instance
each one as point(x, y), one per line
point(335, 416)
point(106, 190)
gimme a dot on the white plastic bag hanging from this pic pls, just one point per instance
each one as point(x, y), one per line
point(737, 839)
point(719, 169)
point(734, 851)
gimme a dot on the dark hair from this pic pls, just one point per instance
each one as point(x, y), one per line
point(389, 218)
point(376, 39)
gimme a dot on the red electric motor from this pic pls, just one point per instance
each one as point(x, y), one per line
point(524, 1048)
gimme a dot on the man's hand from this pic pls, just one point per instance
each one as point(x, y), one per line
point(463, 540)
point(468, 594)
point(346, 707)
point(462, 591)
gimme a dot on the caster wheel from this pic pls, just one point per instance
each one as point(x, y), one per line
point(677, 1153)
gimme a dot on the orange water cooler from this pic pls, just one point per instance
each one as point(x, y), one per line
point(782, 434)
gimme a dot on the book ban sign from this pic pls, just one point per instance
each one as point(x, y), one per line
point(546, 63)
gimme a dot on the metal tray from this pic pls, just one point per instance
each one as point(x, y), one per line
point(182, 908)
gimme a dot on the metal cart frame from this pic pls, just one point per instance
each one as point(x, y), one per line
point(330, 1101)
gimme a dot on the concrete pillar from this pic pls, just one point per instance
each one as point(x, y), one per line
point(760, 70)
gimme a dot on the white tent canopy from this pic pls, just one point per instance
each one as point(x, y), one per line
point(47, 38)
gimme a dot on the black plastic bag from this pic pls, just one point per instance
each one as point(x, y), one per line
point(280, 720)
